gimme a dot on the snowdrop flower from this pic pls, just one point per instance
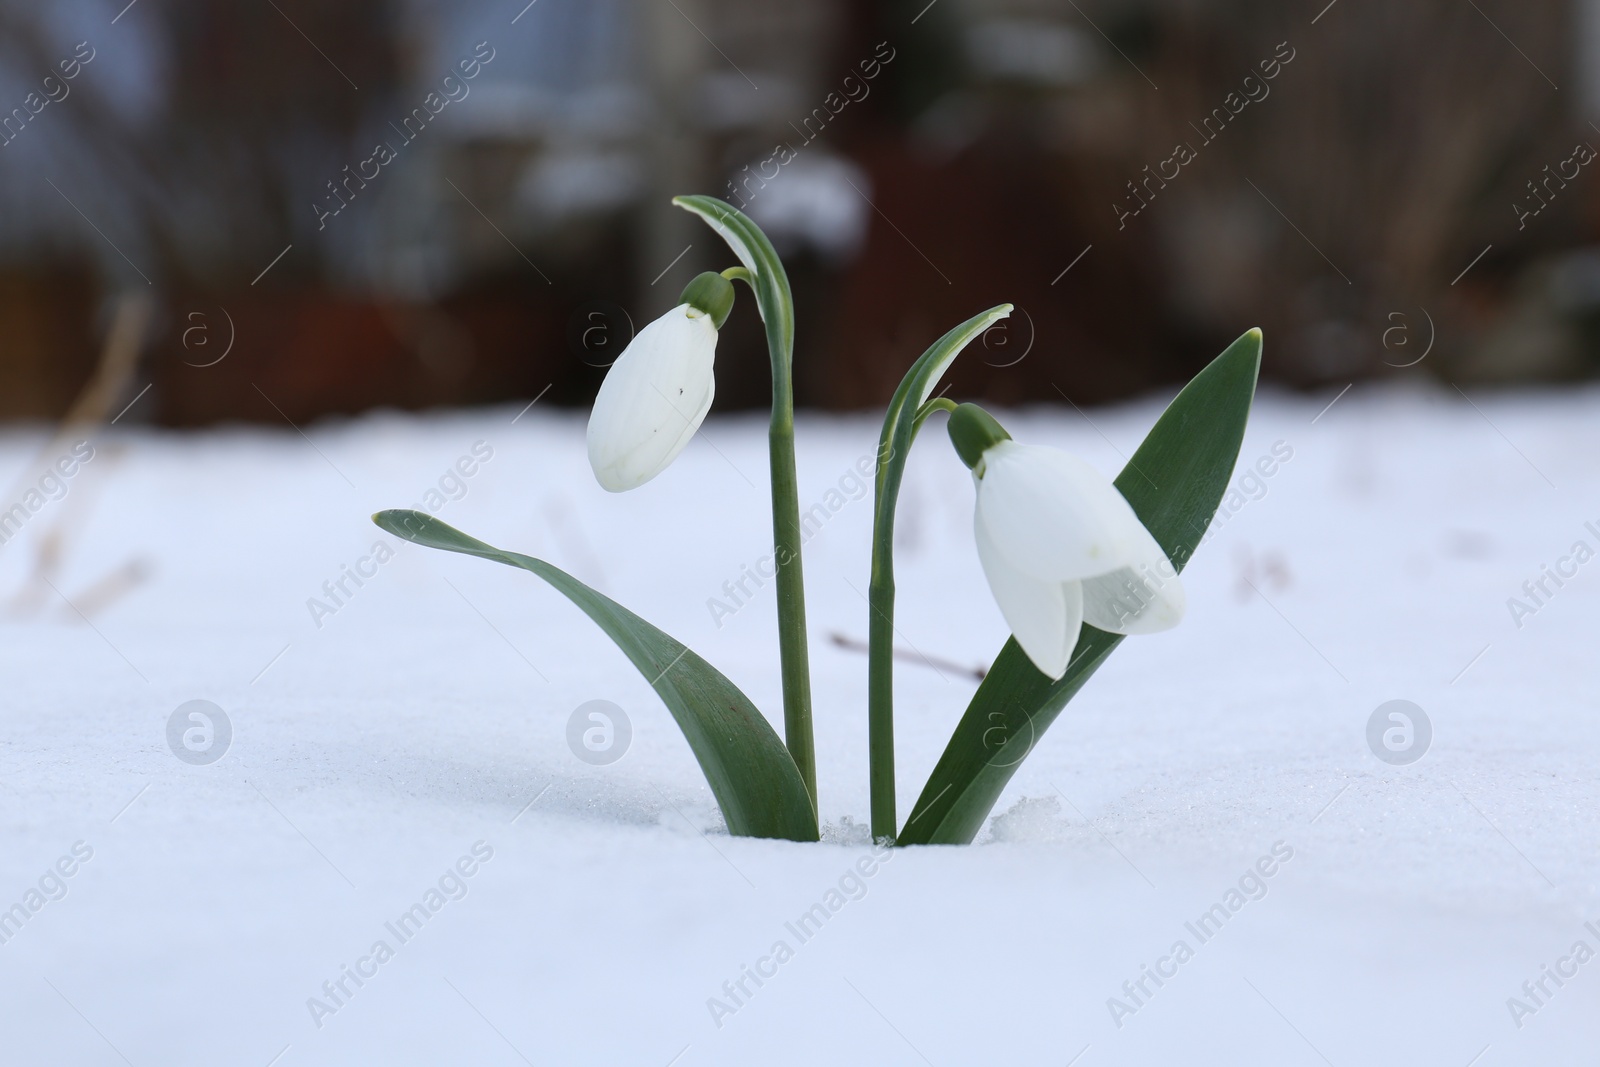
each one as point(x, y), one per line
point(657, 393)
point(1060, 545)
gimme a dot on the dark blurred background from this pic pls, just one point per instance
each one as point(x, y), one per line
point(1366, 181)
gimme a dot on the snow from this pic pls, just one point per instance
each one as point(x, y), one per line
point(428, 713)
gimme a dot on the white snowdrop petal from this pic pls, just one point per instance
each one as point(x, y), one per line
point(1044, 616)
point(653, 399)
point(1134, 600)
point(1145, 597)
point(691, 425)
point(1053, 516)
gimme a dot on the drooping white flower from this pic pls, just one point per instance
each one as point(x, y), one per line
point(657, 393)
point(1060, 545)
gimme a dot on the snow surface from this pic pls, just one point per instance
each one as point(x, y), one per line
point(371, 753)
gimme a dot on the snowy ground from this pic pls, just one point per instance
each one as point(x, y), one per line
point(372, 753)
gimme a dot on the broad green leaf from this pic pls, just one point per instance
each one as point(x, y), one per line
point(1174, 481)
point(750, 772)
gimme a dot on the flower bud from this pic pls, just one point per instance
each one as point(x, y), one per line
point(655, 395)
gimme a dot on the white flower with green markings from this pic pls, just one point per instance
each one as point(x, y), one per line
point(657, 393)
point(1060, 545)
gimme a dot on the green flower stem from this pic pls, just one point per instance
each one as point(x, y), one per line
point(908, 410)
point(763, 272)
point(880, 652)
point(938, 403)
point(761, 269)
point(792, 652)
point(880, 688)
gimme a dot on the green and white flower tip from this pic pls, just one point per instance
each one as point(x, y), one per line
point(1060, 545)
point(657, 393)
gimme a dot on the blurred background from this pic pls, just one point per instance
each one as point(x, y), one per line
point(327, 208)
point(248, 232)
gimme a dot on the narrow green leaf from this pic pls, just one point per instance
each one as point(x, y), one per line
point(1174, 481)
point(755, 782)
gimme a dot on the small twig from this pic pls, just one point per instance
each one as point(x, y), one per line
point(906, 655)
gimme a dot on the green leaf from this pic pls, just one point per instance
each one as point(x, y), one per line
point(750, 772)
point(1174, 481)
